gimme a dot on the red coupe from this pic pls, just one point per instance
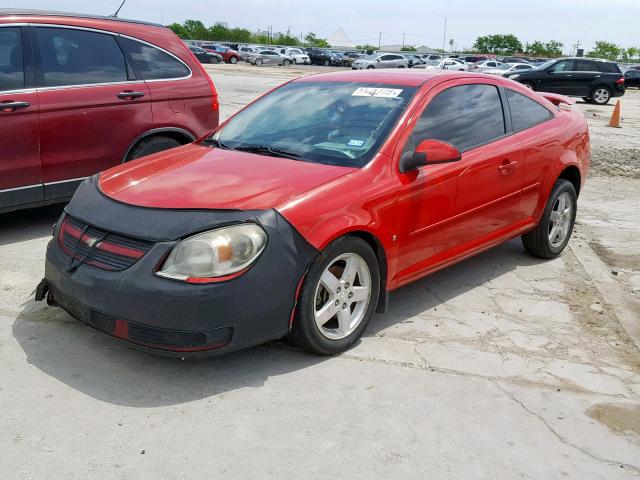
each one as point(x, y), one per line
point(297, 216)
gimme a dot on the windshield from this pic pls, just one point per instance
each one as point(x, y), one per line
point(545, 65)
point(334, 123)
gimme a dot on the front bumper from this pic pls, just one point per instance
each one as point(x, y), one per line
point(168, 316)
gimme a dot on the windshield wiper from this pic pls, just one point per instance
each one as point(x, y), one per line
point(274, 152)
point(215, 142)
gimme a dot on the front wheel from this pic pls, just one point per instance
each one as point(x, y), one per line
point(529, 85)
point(233, 60)
point(552, 234)
point(258, 61)
point(338, 297)
point(286, 63)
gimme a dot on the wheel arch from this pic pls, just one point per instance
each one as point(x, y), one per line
point(181, 135)
point(572, 174)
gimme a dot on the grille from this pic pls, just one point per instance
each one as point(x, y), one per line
point(98, 248)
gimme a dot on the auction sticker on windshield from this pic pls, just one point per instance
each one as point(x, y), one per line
point(377, 92)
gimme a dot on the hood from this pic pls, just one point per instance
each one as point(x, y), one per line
point(199, 177)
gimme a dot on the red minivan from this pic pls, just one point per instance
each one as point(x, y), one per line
point(80, 94)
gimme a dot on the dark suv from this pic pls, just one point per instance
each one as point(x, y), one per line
point(317, 56)
point(596, 81)
point(80, 94)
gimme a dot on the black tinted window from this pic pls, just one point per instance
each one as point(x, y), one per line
point(525, 112)
point(584, 66)
point(608, 67)
point(152, 63)
point(562, 66)
point(463, 116)
point(78, 57)
point(11, 71)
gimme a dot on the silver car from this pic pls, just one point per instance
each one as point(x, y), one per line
point(480, 67)
point(381, 60)
point(508, 68)
point(269, 57)
point(446, 64)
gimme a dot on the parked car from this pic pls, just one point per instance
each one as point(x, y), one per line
point(245, 50)
point(480, 67)
point(597, 81)
point(514, 60)
point(430, 56)
point(178, 242)
point(205, 56)
point(268, 57)
point(475, 58)
point(413, 59)
point(318, 56)
point(508, 68)
point(296, 55)
point(632, 78)
point(381, 60)
point(228, 55)
point(106, 91)
point(446, 64)
point(349, 57)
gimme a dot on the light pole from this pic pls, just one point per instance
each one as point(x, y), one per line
point(444, 35)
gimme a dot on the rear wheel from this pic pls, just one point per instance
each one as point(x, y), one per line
point(370, 67)
point(286, 62)
point(601, 95)
point(338, 297)
point(150, 145)
point(258, 61)
point(233, 60)
point(529, 85)
point(552, 234)
point(326, 63)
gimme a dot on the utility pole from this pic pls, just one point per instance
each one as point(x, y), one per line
point(403, 40)
point(379, 40)
point(444, 35)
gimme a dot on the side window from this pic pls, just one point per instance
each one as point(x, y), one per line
point(584, 66)
point(79, 57)
point(387, 57)
point(563, 66)
point(152, 63)
point(608, 67)
point(11, 70)
point(463, 116)
point(525, 112)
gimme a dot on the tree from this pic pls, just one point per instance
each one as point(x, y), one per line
point(408, 48)
point(607, 50)
point(632, 52)
point(366, 47)
point(552, 48)
point(314, 41)
point(196, 30)
point(179, 30)
point(288, 40)
point(500, 44)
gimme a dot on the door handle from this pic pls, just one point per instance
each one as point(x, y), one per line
point(507, 165)
point(129, 95)
point(10, 105)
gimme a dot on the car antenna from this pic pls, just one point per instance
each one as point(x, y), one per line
point(115, 15)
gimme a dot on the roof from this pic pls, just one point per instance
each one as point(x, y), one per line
point(8, 12)
point(409, 78)
point(340, 39)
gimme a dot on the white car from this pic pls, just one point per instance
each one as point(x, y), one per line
point(480, 67)
point(446, 64)
point(507, 68)
point(296, 55)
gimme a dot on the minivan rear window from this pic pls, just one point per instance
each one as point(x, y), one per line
point(152, 63)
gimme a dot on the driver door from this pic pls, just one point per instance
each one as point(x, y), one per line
point(449, 210)
point(559, 78)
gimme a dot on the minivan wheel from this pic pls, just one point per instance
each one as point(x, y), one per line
point(150, 145)
point(601, 95)
point(552, 234)
point(338, 297)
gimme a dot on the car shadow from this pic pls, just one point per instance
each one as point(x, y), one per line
point(111, 371)
point(30, 224)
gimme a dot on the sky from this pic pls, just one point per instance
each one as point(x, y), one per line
point(420, 21)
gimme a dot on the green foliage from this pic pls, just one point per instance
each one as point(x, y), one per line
point(499, 44)
point(195, 30)
point(313, 41)
point(179, 30)
point(408, 48)
point(552, 48)
point(366, 47)
point(607, 50)
point(632, 53)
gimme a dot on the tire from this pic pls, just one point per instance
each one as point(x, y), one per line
point(258, 61)
point(538, 242)
point(529, 85)
point(370, 67)
point(233, 60)
point(336, 333)
point(150, 145)
point(586, 99)
point(600, 95)
point(286, 63)
point(326, 63)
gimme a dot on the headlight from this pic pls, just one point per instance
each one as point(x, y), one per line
point(213, 254)
point(513, 77)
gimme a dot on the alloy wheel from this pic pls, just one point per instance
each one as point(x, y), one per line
point(560, 220)
point(342, 296)
point(601, 95)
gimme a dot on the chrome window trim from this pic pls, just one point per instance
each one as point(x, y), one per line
point(113, 34)
point(37, 185)
point(19, 90)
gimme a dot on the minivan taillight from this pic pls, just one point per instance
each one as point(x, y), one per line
point(620, 81)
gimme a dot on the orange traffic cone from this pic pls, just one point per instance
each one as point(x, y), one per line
point(615, 116)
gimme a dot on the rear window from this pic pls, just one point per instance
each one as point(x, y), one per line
point(608, 67)
point(11, 71)
point(525, 113)
point(152, 63)
point(79, 57)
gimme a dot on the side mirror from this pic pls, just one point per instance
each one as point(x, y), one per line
point(428, 152)
point(378, 59)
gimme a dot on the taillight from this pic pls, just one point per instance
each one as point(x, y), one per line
point(620, 81)
point(215, 104)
